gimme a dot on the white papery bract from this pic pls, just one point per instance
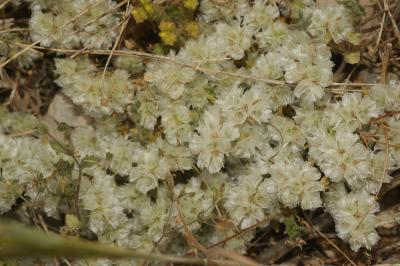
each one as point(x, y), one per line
point(355, 110)
point(247, 201)
point(98, 94)
point(341, 157)
point(234, 39)
point(260, 16)
point(99, 199)
point(354, 214)
point(176, 123)
point(297, 183)
point(213, 140)
point(239, 106)
point(74, 23)
point(331, 22)
point(170, 79)
point(150, 168)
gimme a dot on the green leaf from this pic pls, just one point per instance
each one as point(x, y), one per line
point(89, 161)
point(58, 147)
point(72, 222)
point(292, 228)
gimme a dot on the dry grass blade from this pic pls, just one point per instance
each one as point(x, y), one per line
point(17, 240)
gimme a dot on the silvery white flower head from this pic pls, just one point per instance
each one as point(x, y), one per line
point(252, 139)
point(133, 65)
point(331, 22)
point(247, 202)
point(297, 183)
point(151, 167)
point(273, 35)
point(233, 39)
point(310, 119)
point(279, 95)
point(393, 136)
point(193, 203)
point(355, 110)
point(154, 215)
point(102, 32)
point(168, 78)
point(308, 91)
point(98, 95)
point(43, 25)
point(95, 28)
point(239, 106)
point(213, 140)
point(148, 110)
point(88, 140)
point(355, 219)
point(105, 210)
point(377, 172)
point(286, 132)
point(199, 93)
point(211, 11)
point(269, 66)
point(204, 52)
point(179, 157)
point(340, 156)
point(387, 96)
point(260, 15)
point(124, 154)
point(175, 120)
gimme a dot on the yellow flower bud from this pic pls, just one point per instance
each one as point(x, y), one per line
point(168, 37)
point(139, 14)
point(192, 29)
point(167, 26)
point(191, 4)
point(149, 8)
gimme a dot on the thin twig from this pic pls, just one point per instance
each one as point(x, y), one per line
point(386, 161)
point(392, 20)
point(385, 62)
point(194, 67)
point(329, 241)
point(380, 32)
point(126, 21)
point(222, 242)
point(4, 4)
point(47, 35)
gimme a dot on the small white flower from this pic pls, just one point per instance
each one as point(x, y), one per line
point(297, 183)
point(235, 40)
point(355, 218)
point(213, 140)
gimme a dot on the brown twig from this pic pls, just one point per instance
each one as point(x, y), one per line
point(189, 65)
point(392, 20)
point(117, 41)
point(310, 225)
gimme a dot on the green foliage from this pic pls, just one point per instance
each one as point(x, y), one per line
point(292, 228)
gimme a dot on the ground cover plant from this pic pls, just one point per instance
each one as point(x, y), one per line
point(225, 132)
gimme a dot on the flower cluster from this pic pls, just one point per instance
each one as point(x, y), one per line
point(74, 24)
point(233, 128)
